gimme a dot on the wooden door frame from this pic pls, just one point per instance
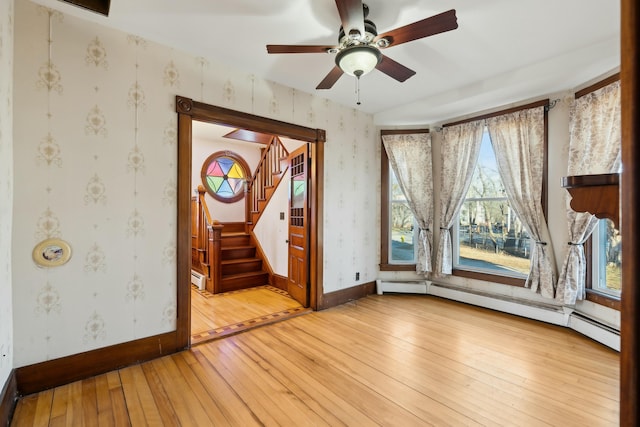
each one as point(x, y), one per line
point(629, 227)
point(189, 110)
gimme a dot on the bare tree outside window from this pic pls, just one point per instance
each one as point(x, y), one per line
point(402, 225)
point(490, 235)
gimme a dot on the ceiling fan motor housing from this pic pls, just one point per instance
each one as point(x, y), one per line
point(357, 54)
point(370, 31)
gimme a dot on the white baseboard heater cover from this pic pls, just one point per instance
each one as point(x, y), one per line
point(549, 314)
point(197, 279)
point(406, 286)
point(595, 330)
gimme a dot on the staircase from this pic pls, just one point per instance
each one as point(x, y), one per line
point(225, 253)
point(240, 267)
point(270, 171)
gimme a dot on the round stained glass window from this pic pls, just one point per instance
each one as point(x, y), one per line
point(223, 176)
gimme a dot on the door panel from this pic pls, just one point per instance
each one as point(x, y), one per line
point(298, 277)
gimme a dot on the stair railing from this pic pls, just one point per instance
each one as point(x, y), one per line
point(262, 184)
point(208, 242)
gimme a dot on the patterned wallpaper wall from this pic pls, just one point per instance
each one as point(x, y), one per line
point(95, 165)
point(6, 187)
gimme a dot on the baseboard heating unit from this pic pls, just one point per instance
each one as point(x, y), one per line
point(595, 330)
point(405, 286)
point(548, 313)
point(197, 279)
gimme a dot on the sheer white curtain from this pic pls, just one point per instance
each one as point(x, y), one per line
point(410, 158)
point(518, 141)
point(594, 148)
point(459, 153)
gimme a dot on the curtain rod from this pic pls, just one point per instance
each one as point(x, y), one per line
point(598, 85)
point(542, 103)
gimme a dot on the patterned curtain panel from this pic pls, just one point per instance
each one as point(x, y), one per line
point(518, 141)
point(410, 158)
point(594, 148)
point(460, 149)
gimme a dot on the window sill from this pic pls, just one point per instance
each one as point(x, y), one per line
point(603, 299)
point(397, 267)
point(504, 280)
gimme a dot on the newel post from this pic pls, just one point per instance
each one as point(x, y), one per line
point(200, 232)
point(215, 250)
point(248, 219)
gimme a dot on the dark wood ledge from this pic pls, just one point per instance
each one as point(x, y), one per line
point(596, 194)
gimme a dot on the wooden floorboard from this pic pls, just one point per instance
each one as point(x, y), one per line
point(382, 360)
point(217, 315)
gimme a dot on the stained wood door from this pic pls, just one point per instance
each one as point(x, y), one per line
point(298, 277)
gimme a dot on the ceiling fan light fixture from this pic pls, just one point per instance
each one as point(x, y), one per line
point(358, 60)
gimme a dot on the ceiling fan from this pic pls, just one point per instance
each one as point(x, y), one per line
point(359, 45)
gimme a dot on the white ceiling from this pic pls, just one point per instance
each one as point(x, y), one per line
point(503, 51)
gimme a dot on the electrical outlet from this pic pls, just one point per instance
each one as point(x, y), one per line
point(281, 216)
point(358, 276)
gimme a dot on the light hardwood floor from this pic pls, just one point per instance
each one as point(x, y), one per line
point(393, 360)
point(214, 316)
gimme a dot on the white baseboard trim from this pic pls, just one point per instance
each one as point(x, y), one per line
point(553, 314)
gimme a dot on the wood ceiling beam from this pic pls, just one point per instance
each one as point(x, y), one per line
point(98, 6)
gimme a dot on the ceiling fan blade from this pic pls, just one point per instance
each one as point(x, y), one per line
point(394, 69)
point(331, 78)
point(285, 48)
point(351, 14)
point(446, 21)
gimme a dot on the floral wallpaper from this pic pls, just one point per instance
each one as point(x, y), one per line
point(95, 165)
point(6, 187)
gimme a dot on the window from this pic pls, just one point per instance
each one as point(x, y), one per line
point(398, 228)
point(488, 236)
point(223, 176)
point(402, 225)
point(605, 266)
point(603, 248)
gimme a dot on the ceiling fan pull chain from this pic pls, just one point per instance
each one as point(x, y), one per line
point(357, 90)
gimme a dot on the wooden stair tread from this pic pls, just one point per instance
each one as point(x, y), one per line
point(230, 248)
point(240, 260)
point(244, 274)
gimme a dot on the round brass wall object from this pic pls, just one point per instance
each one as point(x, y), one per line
point(51, 253)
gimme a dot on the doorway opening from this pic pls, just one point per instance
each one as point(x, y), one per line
point(241, 180)
point(190, 114)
